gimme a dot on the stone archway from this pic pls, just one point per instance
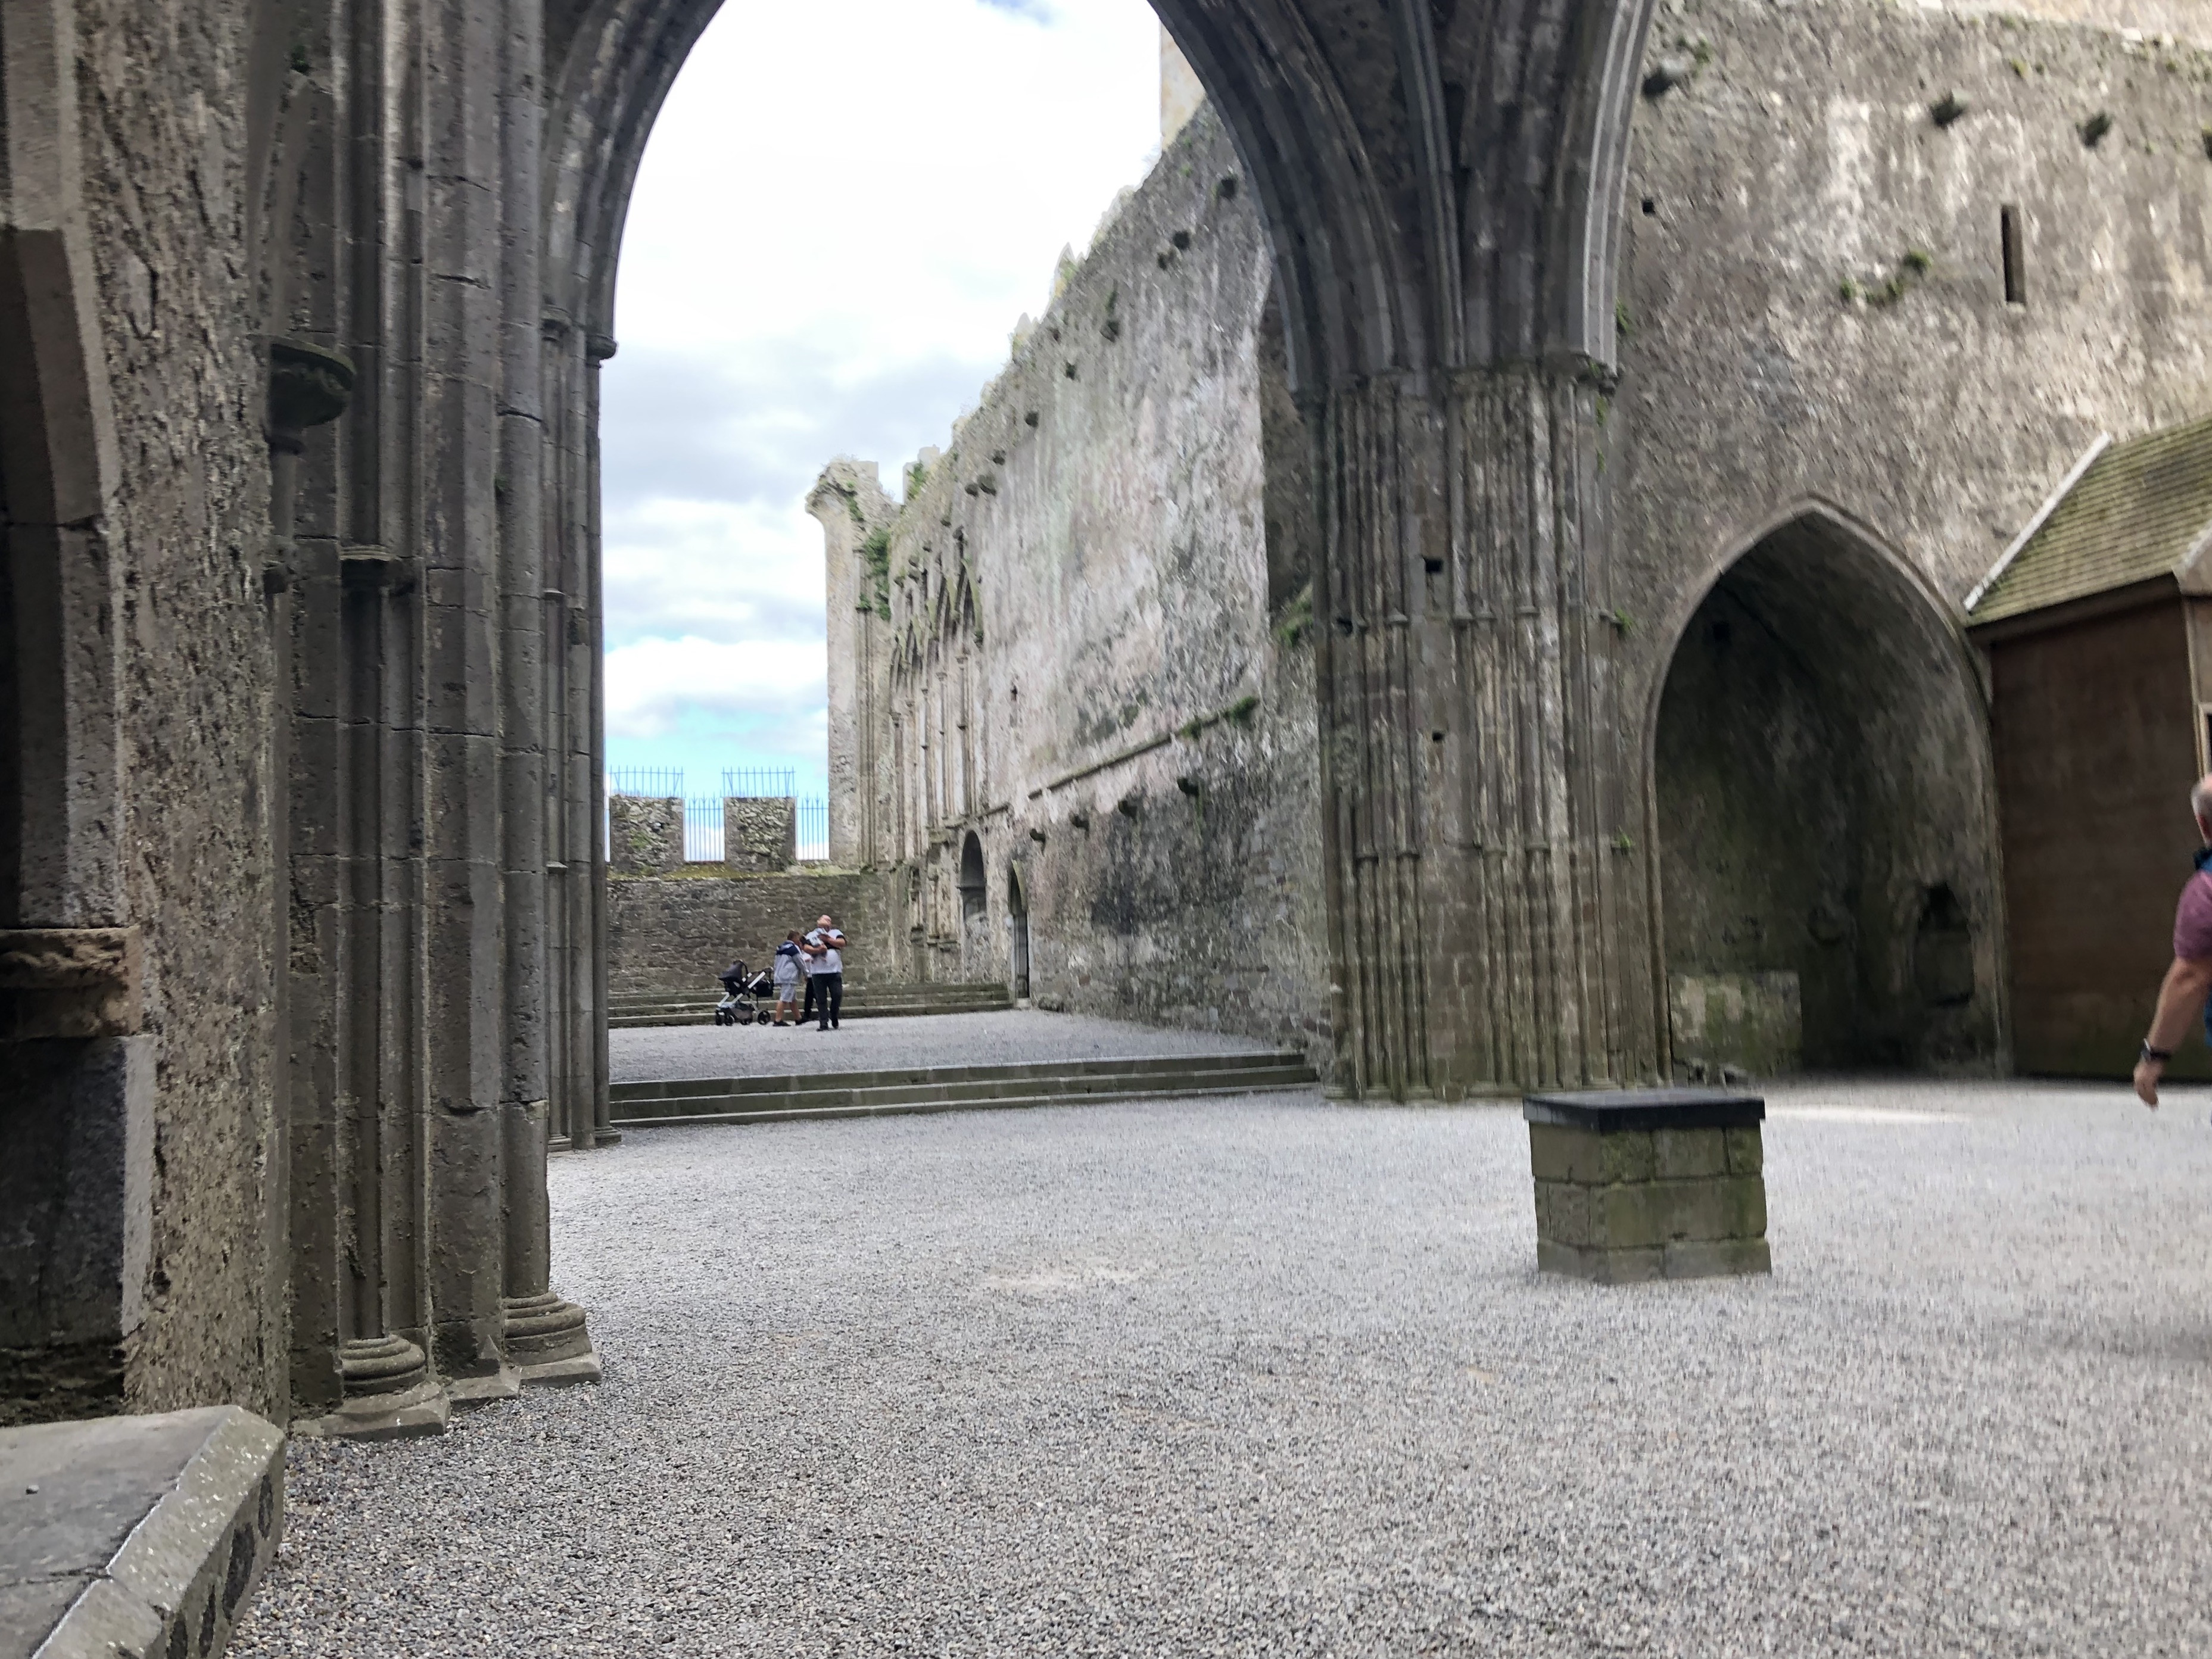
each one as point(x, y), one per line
point(1440, 188)
point(78, 1112)
point(974, 887)
point(1824, 798)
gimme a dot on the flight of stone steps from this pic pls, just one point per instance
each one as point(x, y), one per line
point(951, 1088)
point(627, 1009)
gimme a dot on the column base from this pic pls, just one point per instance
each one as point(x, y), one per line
point(562, 1373)
point(543, 1330)
point(423, 1409)
point(467, 1393)
point(389, 1394)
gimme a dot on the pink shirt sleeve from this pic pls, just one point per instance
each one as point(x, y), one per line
point(2192, 920)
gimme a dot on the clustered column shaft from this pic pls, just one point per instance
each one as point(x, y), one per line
point(1489, 907)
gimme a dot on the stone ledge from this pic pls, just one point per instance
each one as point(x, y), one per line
point(137, 1536)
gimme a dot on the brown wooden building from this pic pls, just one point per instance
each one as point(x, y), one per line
point(2097, 627)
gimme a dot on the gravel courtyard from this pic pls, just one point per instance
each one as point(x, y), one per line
point(1008, 1037)
point(1275, 1377)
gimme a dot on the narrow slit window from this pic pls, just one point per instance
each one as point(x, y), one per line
point(2016, 257)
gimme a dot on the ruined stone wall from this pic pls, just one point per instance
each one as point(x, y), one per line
point(1095, 707)
point(161, 94)
point(855, 517)
point(677, 933)
point(1817, 347)
point(1814, 315)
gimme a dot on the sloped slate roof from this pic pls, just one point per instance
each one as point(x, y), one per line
point(2140, 511)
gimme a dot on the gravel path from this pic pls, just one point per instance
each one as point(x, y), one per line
point(1273, 1377)
point(1007, 1038)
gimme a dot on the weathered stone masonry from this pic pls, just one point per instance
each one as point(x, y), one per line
point(1702, 769)
point(301, 308)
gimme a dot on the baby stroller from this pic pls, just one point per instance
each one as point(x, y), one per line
point(741, 987)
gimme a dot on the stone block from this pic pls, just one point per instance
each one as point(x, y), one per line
point(1689, 1154)
point(77, 1196)
point(1626, 1215)
point(1561, 1153)
point(1563, 1211)
point(1747, 1151)
point(135, 1534)
point(1600, 1266)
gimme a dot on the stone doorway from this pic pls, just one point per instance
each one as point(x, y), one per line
point(975, 910)
point(1017, 935)
point(1825, 807)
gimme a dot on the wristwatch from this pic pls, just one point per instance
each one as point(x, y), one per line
point(2162, 1055)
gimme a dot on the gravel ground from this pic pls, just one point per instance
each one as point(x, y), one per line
point(1272, 1377)
point(1008, 1038)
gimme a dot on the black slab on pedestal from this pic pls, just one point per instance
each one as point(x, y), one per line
point(1610, 1111)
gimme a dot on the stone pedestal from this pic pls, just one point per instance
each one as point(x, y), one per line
point(1648, 1183)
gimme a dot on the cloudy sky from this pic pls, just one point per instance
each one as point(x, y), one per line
point(844, 207)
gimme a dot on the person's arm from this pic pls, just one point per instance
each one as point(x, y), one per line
point(2188, 982)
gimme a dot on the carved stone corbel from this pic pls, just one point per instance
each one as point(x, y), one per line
point(71, 982)
point(308, 386)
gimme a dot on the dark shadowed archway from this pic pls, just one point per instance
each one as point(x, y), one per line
point(1825, 808)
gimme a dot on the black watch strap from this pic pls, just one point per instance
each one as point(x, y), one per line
point(2160, 1054)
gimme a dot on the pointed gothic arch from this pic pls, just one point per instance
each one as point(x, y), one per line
point(1823, 799)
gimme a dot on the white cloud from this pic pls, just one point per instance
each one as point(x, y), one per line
point(844, 207)
point(651, 684)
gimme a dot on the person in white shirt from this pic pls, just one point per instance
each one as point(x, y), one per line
point(825, 973)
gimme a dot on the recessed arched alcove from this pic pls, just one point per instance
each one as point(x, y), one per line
point(1824, 799)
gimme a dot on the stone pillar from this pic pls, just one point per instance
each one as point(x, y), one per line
point(464, 1046)
point(543, 1337)
point(1487, 882)
point(760, 833)
point(574, 852)
point(598, 350)
point(648, 834)
point(359, 1313)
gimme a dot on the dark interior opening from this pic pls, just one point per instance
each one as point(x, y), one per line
point(2015, 258)
point(974, 892)
point(1017, 913)
point(1823, 788)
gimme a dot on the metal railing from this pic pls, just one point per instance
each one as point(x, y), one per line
point(702, 830)
point(757, 782)
point(658, 782)
point(703, 842)
point(813, 830)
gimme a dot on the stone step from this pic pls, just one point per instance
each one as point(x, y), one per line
point(951, 1088)
point(632, 1010)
